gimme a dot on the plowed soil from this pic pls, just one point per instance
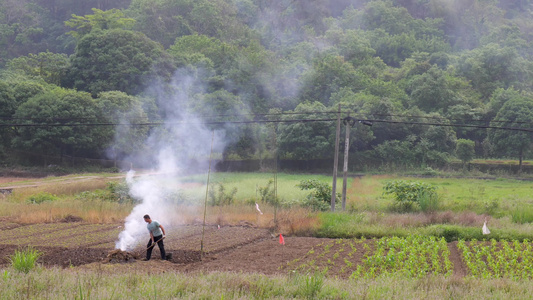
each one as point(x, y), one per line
point(232, 248)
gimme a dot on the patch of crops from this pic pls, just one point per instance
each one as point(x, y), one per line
point(492, 259)
point(412, 257)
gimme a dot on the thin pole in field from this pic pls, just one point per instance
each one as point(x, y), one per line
point(336, 161)
point(206, 194)
point(348, 121)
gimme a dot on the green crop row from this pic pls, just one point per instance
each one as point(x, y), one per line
point(494, 259)
point(412, 257)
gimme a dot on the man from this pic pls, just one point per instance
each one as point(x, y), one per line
point(157, 233)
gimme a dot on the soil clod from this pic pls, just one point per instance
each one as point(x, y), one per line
point(119, 256)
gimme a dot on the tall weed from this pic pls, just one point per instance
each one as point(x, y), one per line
point(522, 215)
point(25, 260)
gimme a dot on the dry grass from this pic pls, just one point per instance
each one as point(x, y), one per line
point(63, 188)
point(298, 221)
point(294, 221)
point(91, 212)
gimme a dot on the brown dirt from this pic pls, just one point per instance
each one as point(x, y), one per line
point(459, 269)
point(235, 249)
point(119, 256)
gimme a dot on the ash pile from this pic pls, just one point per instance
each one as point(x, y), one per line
point(119, 256)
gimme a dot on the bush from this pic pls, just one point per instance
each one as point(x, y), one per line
point(320, 197)
point(42, 197)
point(24, 260)
point(119, 192)
point(267, 193)
point(407, 194)
point(220, 197)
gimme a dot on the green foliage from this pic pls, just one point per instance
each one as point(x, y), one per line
point(465, 150)
point(24, 260)
point(70, 105)
point(516, 113)
point(51, 67)
point(522, 215)
point(311, 284)
point(408, 194)
point(119, 60)
point(306, 140)
point(218, 195)
point(119, 191)
point(267, 193)
point(42, 197)
point(320, 197)
point(102, 20)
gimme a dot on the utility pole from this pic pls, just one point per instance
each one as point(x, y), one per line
point(349, 122)
point(336, 161)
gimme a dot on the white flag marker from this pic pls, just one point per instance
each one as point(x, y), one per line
point(485, 229)
point(257, 207)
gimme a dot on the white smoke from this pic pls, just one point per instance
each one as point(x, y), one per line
point(183, 138)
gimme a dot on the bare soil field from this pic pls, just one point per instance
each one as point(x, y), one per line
point(229, 248)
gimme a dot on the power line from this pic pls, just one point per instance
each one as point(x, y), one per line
point(154, 124)
point(257, 116)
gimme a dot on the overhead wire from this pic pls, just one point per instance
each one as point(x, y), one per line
point(259, 122)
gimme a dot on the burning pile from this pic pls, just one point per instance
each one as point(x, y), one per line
point(119, 256)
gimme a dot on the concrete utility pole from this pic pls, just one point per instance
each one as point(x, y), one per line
point(349, 122)
point(336, 161)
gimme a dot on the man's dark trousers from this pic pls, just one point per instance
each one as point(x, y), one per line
point(159, 240)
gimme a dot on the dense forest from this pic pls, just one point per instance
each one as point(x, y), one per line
point(67, 66)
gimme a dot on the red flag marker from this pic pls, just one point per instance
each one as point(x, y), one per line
point(281, 239)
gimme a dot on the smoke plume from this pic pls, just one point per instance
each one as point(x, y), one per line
point(182, 145)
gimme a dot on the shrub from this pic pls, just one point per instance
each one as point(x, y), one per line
point(320, 197)
point(24, 260)
point(267, 193)
point(119, 192)
point(42, 197)
point(407, 194)
point(220, 197)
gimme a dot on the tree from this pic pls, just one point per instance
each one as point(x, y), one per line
point(118, 60)
point(162, 20)
point(51, 67)
point(465, 150)
point(433, 91)
point(515, 113)
point(307, 140)
point(491, 67)
point(99, 20)
point(65, 111)
point(123, 140)
point(329, 74)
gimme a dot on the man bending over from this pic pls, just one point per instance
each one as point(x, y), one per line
point(157, 233)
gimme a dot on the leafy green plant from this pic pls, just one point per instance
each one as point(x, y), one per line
point(320, 197)
point(24, 260)
point(218, 195)
point(42, 197)
point(119, 192)
point(267, 193)
point(407, 194)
